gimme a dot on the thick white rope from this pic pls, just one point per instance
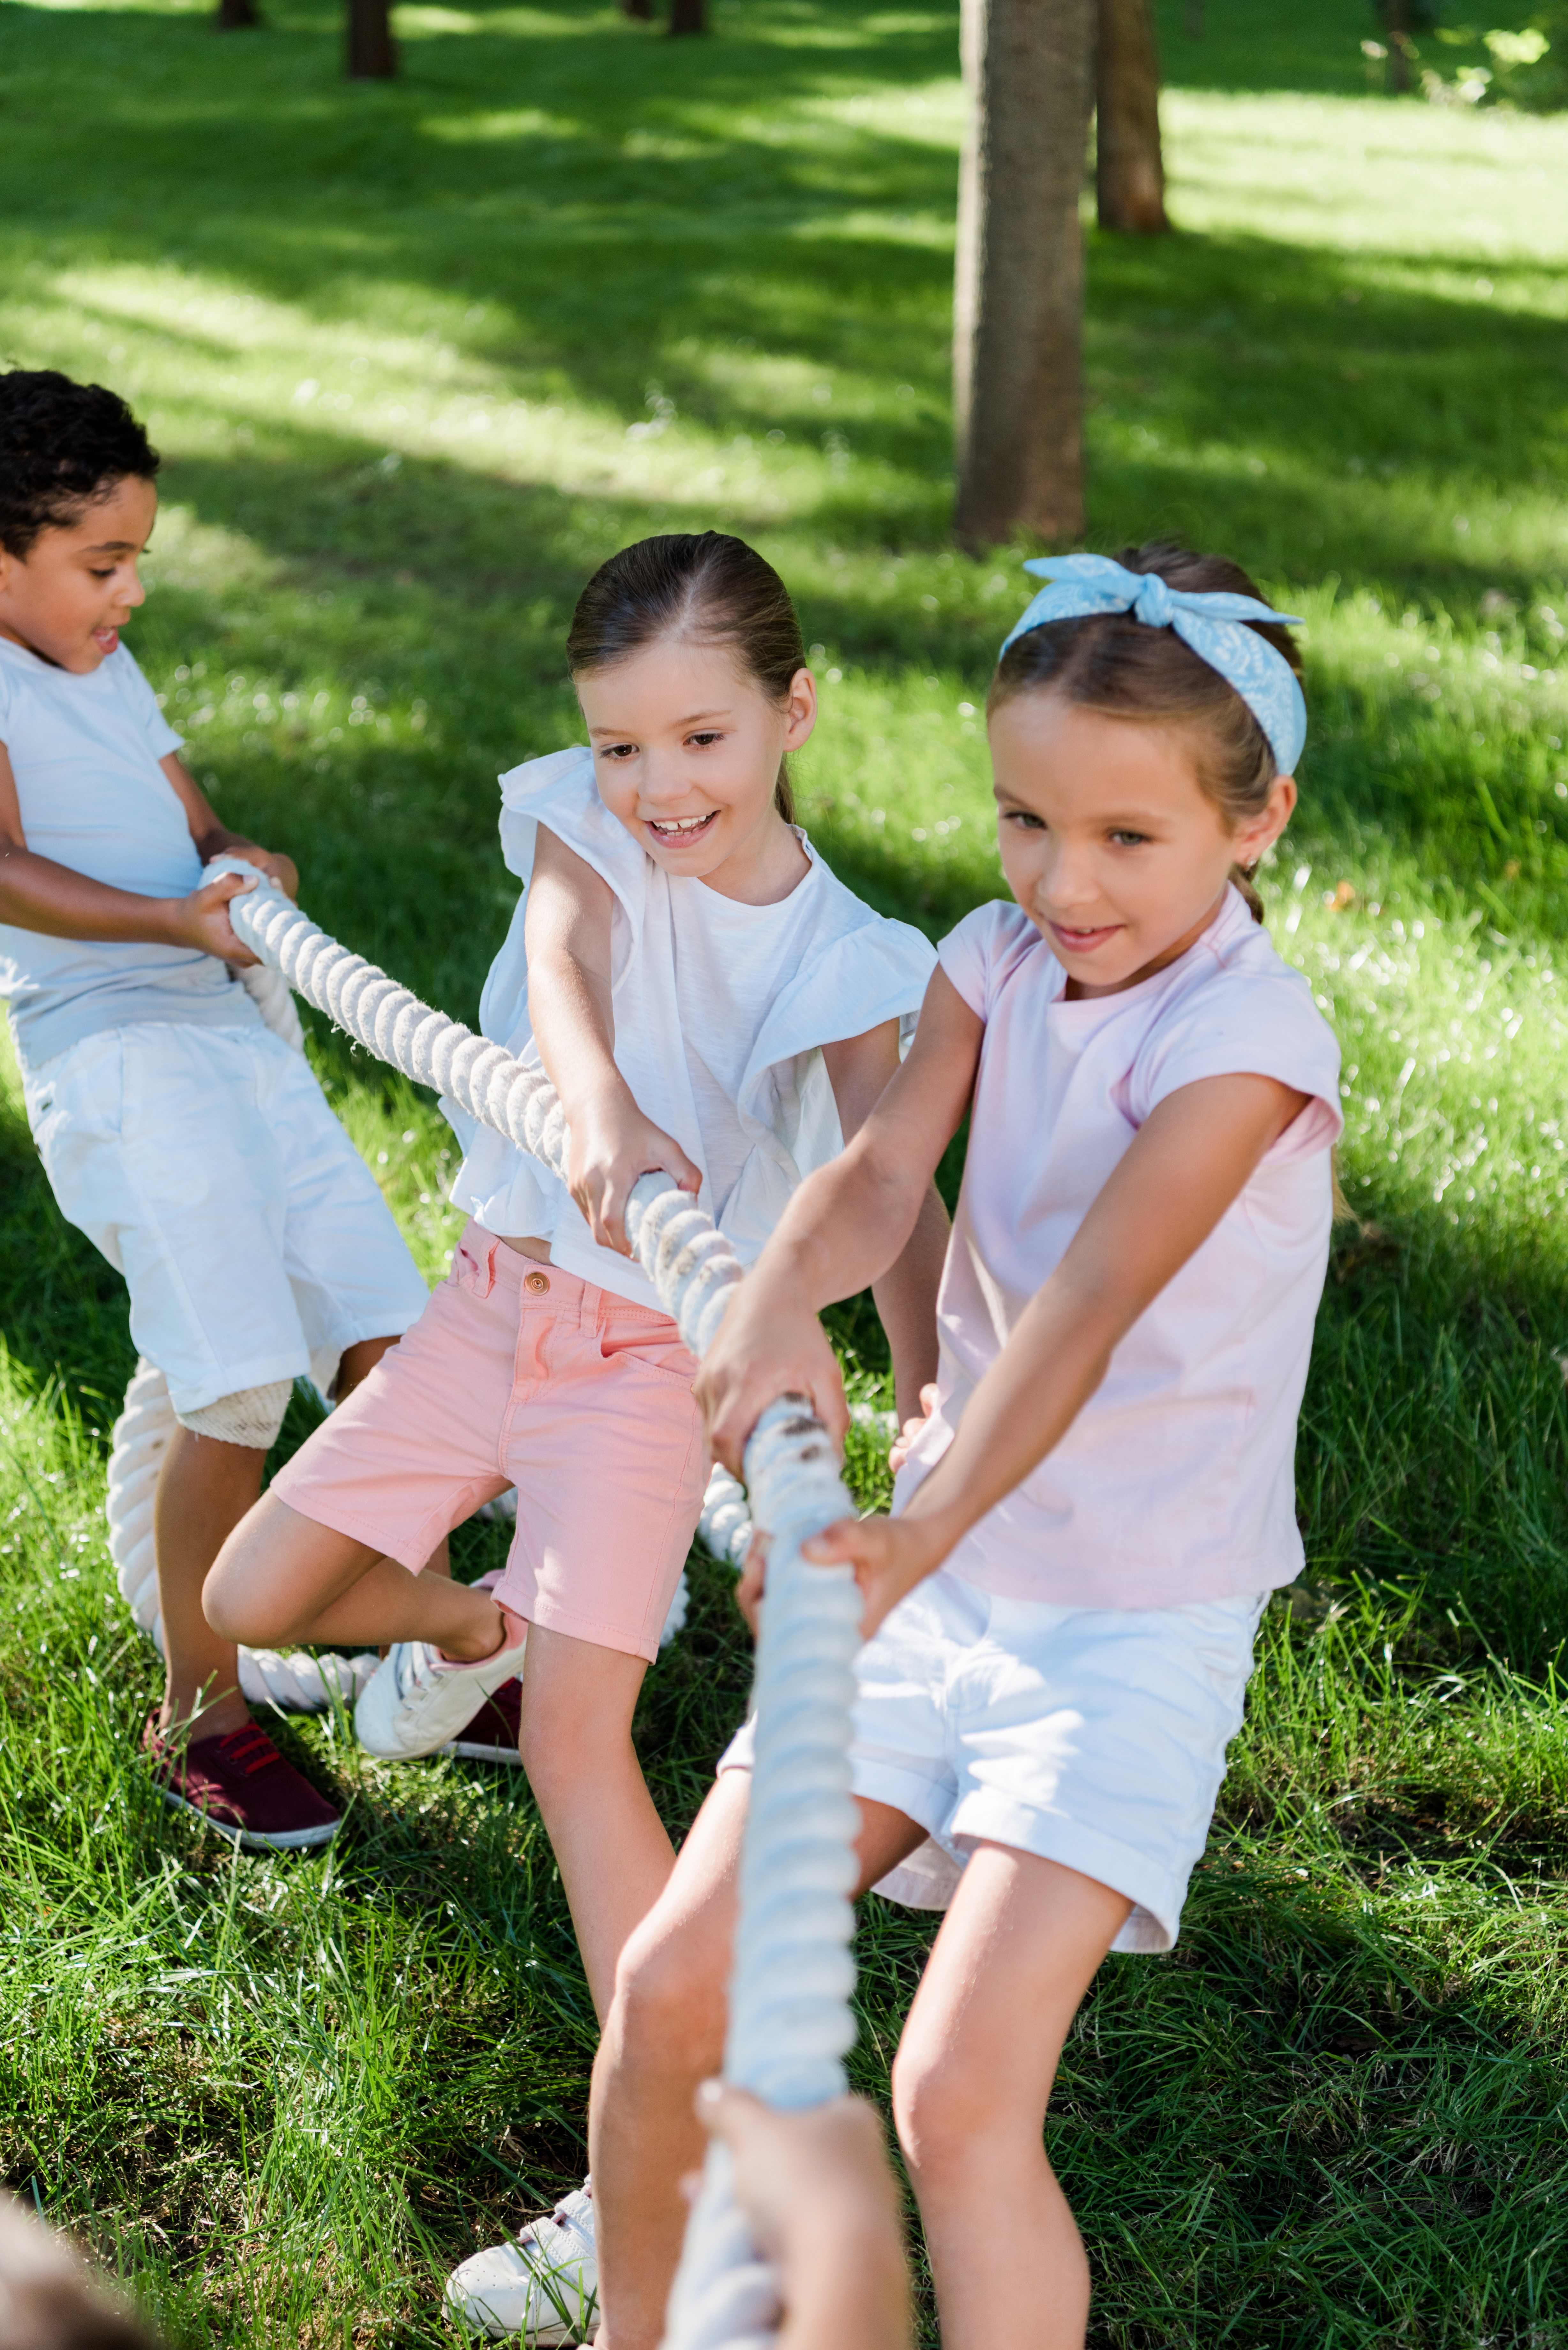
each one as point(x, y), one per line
point(790, 2023)
point(724, 1528)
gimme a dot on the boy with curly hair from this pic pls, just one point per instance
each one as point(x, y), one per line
point(178, 1133)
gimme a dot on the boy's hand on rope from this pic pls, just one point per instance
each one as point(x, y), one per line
point(609, 1145)
point(889, 1556)
point(281, 871)
point(202, 921)
point(766, 1347)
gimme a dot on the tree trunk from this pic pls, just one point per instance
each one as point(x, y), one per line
point(1397, 17)
point(642, 9)
point(236, 16)
point(1017, 297)
point(371, 54)
point(1129, 170)
point(688, 16)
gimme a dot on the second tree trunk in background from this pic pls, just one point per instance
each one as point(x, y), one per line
point(1130, 169)
point(371, 54)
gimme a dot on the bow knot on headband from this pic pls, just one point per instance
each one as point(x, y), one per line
point(1213, 625)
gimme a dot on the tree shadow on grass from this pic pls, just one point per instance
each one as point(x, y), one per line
point(64, 1305)
point(672, 225)
point(450, 586)
point(1234, 45)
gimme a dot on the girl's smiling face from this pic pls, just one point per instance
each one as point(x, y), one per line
point(1108, 841)
point(687, 749)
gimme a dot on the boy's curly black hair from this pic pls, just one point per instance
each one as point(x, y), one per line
point(61, 446)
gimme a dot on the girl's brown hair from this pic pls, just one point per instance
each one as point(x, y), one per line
point(710, 589)
point(1111, 663)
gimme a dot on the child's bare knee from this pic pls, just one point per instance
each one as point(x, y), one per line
point(241, 1598)
point(237, 1612)
point(669, 2001)
point(569, 1732)
point(942, 2106)
point(555, 1747)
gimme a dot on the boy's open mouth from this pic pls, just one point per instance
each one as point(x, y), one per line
point(106, 640)
point(681, 831)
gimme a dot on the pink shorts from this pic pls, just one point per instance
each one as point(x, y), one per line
point(519, 1374)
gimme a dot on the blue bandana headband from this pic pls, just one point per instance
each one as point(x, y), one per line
point(1212, 625)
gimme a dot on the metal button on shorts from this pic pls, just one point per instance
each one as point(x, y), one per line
point(537, 1282)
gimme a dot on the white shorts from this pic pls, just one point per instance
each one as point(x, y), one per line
point(1092, 1736)
point(206, 1165)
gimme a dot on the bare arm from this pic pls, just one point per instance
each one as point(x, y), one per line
point(1183, 1171)
point(37, 894)
point(861, 1069)
point(610, 1143)
point(214, 840)
point(845, 1226)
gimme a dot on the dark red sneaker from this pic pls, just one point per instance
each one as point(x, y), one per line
point(241, 1785)
point(492, 1735)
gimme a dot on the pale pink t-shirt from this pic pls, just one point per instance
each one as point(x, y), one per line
point(1177, 1481)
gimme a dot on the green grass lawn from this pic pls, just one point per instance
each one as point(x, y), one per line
point(419, 356)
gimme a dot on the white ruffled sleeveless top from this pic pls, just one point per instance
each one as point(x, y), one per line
point(721, 1014)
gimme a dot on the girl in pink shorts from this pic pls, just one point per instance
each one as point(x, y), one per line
point(706, 998)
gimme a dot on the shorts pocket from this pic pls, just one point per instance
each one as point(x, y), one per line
point(649, 1351)
point(474, 1266)
point(79, 1097)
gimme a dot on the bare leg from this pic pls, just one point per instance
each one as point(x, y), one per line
point(1016, 1953)
point(204, 1489)
point(664, 2033)
point(609, 1843)
point(281, 1577)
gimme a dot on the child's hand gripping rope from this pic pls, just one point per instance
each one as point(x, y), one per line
point(790, 2023)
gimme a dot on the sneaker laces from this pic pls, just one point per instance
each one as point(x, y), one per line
point(250, 1750)
point(412, 1664)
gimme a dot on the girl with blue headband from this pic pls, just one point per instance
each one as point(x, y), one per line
point(1100, 1495)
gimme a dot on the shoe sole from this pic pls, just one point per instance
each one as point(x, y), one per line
point(550, 2337)
point(537, 2337)
point(254, 1839)
point(467, 1750)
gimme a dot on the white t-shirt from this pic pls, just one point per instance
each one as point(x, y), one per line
point(85, 752)
point(1175, 1483)
point(721, 1013)
point(731, 962)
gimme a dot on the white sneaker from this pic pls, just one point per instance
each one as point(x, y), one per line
point(544, 2284)
point(415, 1701)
